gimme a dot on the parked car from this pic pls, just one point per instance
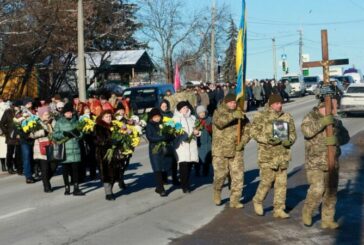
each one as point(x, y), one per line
point(353, 99)
point(311, 83)
point(297, 84)
point(144, 98)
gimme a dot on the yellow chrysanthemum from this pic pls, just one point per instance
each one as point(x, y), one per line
point(167, 119)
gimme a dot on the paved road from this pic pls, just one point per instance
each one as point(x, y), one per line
point(138, 216)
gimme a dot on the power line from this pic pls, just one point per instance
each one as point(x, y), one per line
point(280, 23)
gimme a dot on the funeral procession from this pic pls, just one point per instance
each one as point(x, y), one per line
point(181, 122)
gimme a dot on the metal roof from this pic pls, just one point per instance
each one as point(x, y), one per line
point(125, 57)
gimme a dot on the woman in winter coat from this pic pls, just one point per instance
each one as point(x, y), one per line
point(166, 112)
point(109, 171)
point(204, 141)
point(186, 144)
point(157, 159)
point(65, 130)
point(257, 93)
point(3, 148)
point(42, 137)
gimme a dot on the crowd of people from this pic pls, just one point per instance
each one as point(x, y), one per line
point(193, 128)
point(25, 152)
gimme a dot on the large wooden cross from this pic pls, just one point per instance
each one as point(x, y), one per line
point(325, 64)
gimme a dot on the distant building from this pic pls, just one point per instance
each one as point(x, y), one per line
point(121, 67)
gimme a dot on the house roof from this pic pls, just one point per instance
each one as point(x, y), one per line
point(125, 57)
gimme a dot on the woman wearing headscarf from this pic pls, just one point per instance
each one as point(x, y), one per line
point(41, 139)
point(186, 144)
point(109, 171)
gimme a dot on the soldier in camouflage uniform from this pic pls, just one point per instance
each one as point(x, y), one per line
point(227, 155)
point(316, 142)
point(274, 155)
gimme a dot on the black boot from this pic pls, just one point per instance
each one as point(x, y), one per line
point(67, 190)
point(165, 177)
point(3, 165)
point(77, 191)
point(159, 184)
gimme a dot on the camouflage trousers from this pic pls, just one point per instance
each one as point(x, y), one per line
point(223, 166)
point(269, 176)
point(319, 190)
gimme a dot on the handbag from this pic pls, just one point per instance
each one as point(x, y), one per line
point(56, 152)
point(43, 145)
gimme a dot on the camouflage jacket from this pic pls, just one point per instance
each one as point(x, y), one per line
point(270, 156)
point(315, 147)
point(224, 132)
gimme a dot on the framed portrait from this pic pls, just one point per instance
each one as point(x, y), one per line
point(280, 130)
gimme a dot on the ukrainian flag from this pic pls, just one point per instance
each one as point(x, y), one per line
point(241, 56)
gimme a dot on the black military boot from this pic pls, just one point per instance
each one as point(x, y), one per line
point(77, 191)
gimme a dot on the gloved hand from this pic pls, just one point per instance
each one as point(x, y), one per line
point(68, 134)
point(238, 114)
point(327, 120)
point(332, 140)
point(274, 141)
point(287, 143)
point(239, 147)
point(75, 132)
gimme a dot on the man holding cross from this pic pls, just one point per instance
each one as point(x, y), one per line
point(317, 170)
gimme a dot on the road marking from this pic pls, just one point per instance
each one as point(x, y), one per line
point(16, 213)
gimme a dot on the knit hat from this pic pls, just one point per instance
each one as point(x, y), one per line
point(182, 104)
point(57, 97)
point(17, 103)
point(229, 97)
point(200, 108)
point(274, 98)
point(27, 100)
point(67, 108)
point(154, 112)
point(42, 110)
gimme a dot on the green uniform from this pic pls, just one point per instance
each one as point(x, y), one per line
point(226, 159)
point(316, 164)
point(273, 160)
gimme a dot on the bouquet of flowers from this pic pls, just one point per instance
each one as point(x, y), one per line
point(139, 124)
point(168, 128)
point(86, 125)
point(30, 124)
point(124, 137)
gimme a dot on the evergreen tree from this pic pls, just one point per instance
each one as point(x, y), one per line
point(230, 54)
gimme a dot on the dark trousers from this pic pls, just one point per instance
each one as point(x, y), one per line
point(70, 169)
point(14, 162)
point(184, 173)
point(124, 166)
point(27, 158)
point(48, 169)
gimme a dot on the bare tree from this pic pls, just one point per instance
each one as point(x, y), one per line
point(179, 37)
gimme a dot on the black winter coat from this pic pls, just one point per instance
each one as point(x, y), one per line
point(157, 161)
point(8, 127)
point(109, 172)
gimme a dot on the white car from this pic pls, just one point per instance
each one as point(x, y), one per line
point(353, 99)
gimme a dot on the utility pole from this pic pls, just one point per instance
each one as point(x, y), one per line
point(213, 44)
point(300, 60)
point(274, 58)
point(81, 53)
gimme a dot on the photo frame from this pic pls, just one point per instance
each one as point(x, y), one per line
point(280, 130)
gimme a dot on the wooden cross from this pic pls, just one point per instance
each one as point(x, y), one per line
point(325, 64)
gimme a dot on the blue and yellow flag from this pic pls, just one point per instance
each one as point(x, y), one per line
point(241, 56)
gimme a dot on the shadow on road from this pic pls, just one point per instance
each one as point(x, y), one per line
point(350, 209)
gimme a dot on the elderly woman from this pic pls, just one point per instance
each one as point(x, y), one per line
point(41, 139)
point(65, 131)
point(109, 171)
point(186, 144)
